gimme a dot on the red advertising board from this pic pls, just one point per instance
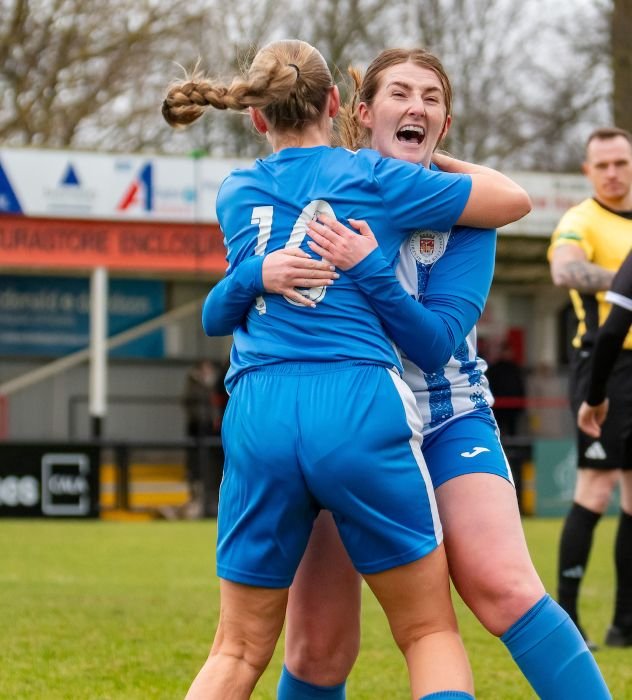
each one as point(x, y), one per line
point(118, 245)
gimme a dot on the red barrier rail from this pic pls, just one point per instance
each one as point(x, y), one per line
point(530, 402)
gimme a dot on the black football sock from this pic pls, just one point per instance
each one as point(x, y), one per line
point(575, 544)
point(623, 563)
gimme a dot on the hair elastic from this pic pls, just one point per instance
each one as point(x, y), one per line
point(298, 72)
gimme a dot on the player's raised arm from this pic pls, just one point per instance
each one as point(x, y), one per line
point(495, 200)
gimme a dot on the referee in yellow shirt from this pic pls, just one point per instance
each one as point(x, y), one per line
point(588, 246)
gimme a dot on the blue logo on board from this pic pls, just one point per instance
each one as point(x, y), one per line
point(9, 203)
point(69, 178)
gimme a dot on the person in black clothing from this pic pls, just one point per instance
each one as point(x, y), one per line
point(507, 382)
point(204, 402)
point(594, 410)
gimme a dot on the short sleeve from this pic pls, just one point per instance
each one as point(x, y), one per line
point(421, 198)
point(572, 229)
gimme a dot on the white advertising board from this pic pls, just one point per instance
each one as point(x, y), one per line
point(67, 184)
point(74, 184)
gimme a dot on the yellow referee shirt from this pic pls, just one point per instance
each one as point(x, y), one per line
point(606, 238)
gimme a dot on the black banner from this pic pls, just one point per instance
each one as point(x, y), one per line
point(46, 480)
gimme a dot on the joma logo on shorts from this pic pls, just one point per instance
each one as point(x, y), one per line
point(474, 452)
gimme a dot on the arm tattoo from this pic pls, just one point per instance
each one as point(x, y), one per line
point(586, 277)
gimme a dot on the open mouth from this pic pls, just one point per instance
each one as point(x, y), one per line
point(411, 133)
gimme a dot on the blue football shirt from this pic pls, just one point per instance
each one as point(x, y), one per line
point(268, 207)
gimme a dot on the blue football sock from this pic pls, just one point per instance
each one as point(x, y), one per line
point(292, 688)
point(454, 694)
point(550, 651)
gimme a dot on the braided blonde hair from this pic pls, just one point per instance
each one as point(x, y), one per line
point(287, 80)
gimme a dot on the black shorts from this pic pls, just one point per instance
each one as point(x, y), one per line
point(613, 450)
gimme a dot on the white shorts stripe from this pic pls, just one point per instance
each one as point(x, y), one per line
point(414, 421)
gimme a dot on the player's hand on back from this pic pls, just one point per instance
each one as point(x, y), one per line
point(339, 244)
point(286, 269)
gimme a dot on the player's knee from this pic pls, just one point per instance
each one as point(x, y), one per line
point(500, 601)
point(597, 499)
point(322, 662)
point(408, 631)
point(594, 490)
point(253, 648)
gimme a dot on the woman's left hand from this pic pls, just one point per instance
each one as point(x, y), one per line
point(339, 244)
point(591, 418)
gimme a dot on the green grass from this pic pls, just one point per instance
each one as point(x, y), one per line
point(127, 611)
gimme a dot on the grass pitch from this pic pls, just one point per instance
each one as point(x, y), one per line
point(127, 611)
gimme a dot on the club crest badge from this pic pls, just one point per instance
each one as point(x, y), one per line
point(428, 246)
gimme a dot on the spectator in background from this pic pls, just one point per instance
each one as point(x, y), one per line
point(507, 385)
point(204, 401)
point(546, 394)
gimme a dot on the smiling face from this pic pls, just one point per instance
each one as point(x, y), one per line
point(407, 117)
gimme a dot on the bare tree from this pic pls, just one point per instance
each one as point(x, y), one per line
point(341, 29)
point(345, 31)
point(524, 75)
point(227, 39)
point(621, 32)
point(530, 78)
point(72, 72)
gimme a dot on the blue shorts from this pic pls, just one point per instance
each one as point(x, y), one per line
point(468, 444)
point(340, 436)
